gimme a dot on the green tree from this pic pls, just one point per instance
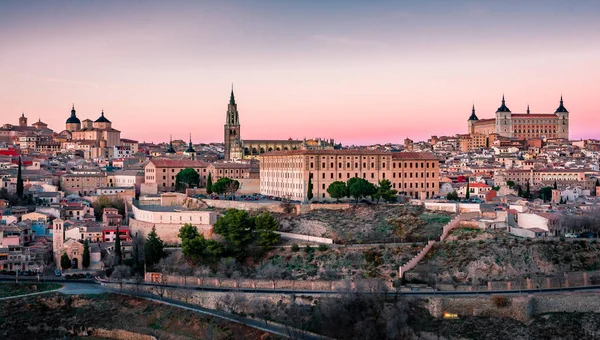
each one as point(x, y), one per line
point(225, 185)
point(85, 261)
point(65, 261)
point(360, 187)
point(546, 193)
point(452, 196)
point(209, 184)
point(265, 226)
point(187, 232)
point(188, 178)
point(527, 191)
point(154, 248)
point(309, 190)
point(105, 202)
point(496, 188)
point(337, 190)
point(236, 227)
point(555, 186)
point(510, 184)
point(385, 191)
point(19, 181)
point(200, 250)
point(468, 195)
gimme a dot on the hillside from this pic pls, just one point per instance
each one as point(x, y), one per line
point(473, 256)
point(55, 316)
point(366, 223)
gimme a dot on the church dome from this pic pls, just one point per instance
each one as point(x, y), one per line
point(102, 119)
point(73, 120)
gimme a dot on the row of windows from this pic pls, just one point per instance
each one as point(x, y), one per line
point(364, 165)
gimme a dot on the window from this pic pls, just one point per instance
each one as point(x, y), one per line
point(323, 185)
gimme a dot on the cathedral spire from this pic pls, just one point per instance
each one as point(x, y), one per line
point(528, 112)
point(190, 148)
point(232, 97)
point(170, 149)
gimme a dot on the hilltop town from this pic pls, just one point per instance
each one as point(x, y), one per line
point(511, 204)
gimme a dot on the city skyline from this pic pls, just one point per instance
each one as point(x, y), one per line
point(342, 70)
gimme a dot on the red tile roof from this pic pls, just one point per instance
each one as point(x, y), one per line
point(177, 163)
point(414, 155)
point(534, 115)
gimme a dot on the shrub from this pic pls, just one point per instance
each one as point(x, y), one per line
point(323, 247)
point(500, 301)
point(308, 249)
point(295, 247)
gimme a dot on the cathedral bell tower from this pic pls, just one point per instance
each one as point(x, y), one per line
point(232, 126)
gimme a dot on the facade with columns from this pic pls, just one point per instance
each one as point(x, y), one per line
point(521, 125)
point(236, 148)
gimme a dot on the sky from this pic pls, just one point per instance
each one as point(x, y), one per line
point(360, 72)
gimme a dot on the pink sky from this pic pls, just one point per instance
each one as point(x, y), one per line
point(361, 76)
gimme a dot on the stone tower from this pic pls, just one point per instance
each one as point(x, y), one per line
point(563, 121)
point(22, 120)
point(504, 125)
point(58, 236)
point(471, 122)
point(232, 127)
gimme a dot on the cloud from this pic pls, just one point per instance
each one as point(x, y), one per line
point(69, 81)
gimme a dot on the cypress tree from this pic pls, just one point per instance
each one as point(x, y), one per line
point(19, 181)
point(85, 261)
point(209, 184)
point(468, 195)
point(118, 253)
point(555, 185)
point(153, 248)
point(527, 191)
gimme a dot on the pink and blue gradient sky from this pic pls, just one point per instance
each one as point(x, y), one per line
point(357, 71)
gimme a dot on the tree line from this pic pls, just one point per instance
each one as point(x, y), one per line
point(358, 188)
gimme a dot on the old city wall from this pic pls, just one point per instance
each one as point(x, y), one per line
point(243, 205)
point(519, 308)
point(236, 301)
point(167, 232)
point(522, 308)
point(294, 285)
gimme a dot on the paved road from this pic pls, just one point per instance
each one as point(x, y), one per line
point(80, 288)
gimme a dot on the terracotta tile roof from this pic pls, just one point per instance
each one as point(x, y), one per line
point(414, 155)
point(344, 152)
point(177, 163)
point(534, 115)
point(478, 185)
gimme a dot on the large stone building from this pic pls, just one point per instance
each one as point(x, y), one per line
point(286, 173)
point(236, 148)
point(100, 131)
point(482, 132)
point(161, 173)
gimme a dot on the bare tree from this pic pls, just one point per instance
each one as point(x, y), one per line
point(233, 303)
point(271, 272)
point(286, 204)
point(120, 273)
